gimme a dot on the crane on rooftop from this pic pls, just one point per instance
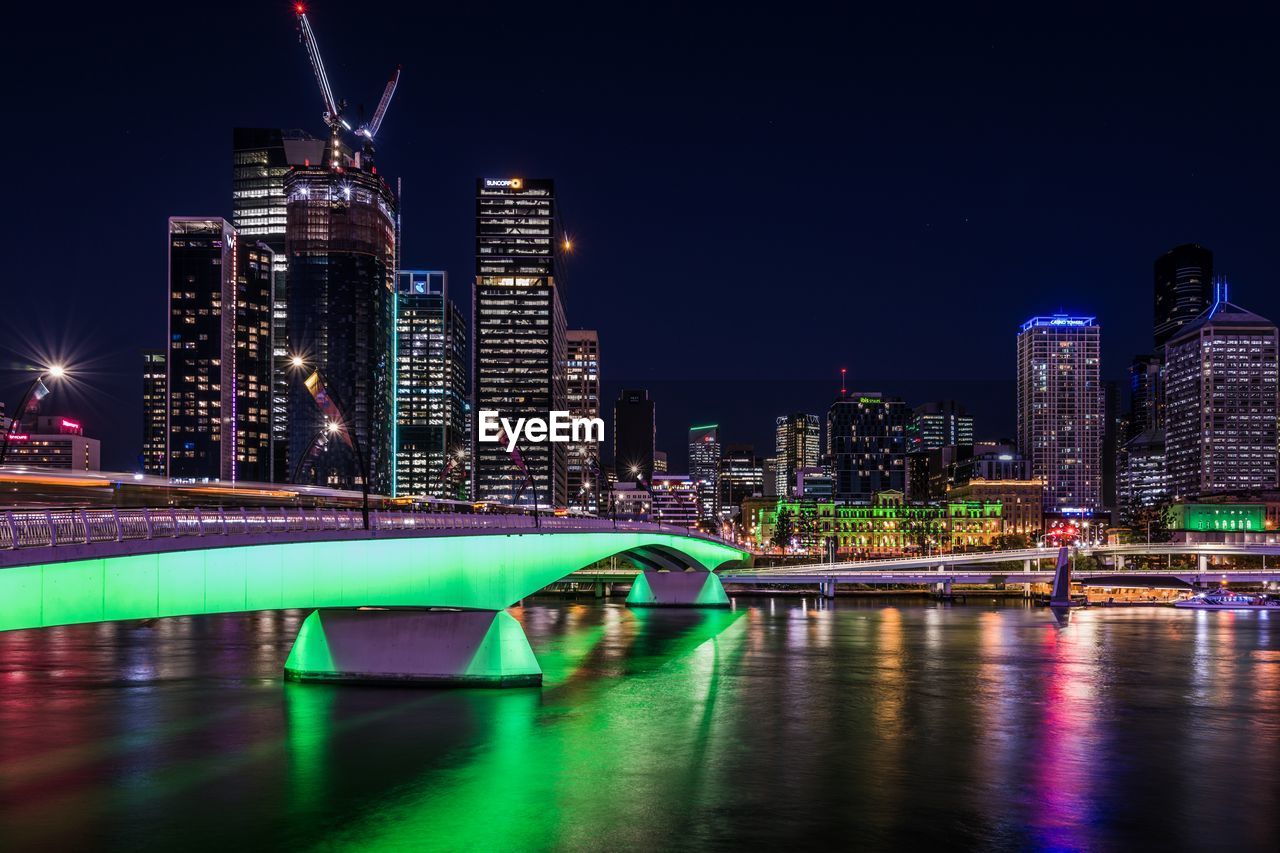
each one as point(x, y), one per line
point(370, 129)
point(333, 108)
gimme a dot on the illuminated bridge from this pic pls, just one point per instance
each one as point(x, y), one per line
point(415, 597)
point(1022, 566)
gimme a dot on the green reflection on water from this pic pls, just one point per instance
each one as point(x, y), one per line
point(630, 716)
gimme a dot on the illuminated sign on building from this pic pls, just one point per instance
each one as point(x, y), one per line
point(509, 183)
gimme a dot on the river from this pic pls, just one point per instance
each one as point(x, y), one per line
point(784, 722)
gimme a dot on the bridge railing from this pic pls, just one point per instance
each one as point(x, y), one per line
point(57, 527)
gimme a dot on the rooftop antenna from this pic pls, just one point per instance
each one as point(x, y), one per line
point(844, 392)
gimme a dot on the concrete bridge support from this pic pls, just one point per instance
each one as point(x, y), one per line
point(827, 588)
point(677, 589)
point(471, 648)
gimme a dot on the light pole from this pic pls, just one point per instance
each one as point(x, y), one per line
point(55, 371)
point(330, 428)
point(298, 362)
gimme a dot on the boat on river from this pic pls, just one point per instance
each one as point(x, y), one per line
point(1224, 599)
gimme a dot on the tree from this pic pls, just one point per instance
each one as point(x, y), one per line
point(782, 529)
point(1155, 518)
point(1012, 542)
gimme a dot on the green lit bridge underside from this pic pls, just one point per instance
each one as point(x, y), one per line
point(482, 571)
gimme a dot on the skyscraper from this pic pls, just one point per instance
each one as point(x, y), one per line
point(741, 476)
point(261, 158)
point(1183, 288)
point(941, 424)
point(431, 388)
point(1061, 410)
point(797, 445)
point(1221, 395)
point(633, 436)
point(519, 341)
point(1145, 393)
point(582, 385)
point(704, 468)
point(867, 445)
point(219, 353)
point(155, 411)
point(341, 241)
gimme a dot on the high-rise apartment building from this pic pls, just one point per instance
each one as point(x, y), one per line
point(1183, 288)
point(155, 411)
point(1220, 403)
point(704, 468)
point(519, 343)
point(633, 437)
point(1061, 410)
point(867, 445)
point(587, 486)
point(219, 353)
point(261, 158)
point(341, 243)
point(432, 390)
point(797, 446)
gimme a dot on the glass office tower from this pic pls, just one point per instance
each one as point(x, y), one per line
point(431, 388)
point(341, 242)
point(519, 340)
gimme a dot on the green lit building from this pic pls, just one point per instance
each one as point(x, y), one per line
point(1205, 517)
point(888, 526)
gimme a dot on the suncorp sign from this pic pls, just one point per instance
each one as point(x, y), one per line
point(558, 427)
point(504, 183)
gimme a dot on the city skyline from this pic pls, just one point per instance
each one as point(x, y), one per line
point(1043, 238)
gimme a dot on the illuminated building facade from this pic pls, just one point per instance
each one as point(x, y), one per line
point(633, 437)
point(53, 442)
point(1061, 410)
point(887, 526)
point(704, 467)
point(867, 445)
point(797, 444)
point(741, 477)
point(1220, 403)
point(582, 387)
point(155, 411)
point(1142, 479)
point(341, 243)
point(941, 424)
point(1183, 288)
point(219, 400)
point(519, 347)
point(675, 500)
point(432, 390)
point(261, 159)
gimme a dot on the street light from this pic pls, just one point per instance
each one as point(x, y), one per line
point(53, 371)
point(330, 428)
point(297, 361)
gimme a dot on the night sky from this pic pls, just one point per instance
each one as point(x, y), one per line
point(759, 196)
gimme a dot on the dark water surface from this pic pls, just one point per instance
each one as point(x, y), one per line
point(781, 723)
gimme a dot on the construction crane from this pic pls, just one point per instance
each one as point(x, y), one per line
point(370, 129)
point(332, 106)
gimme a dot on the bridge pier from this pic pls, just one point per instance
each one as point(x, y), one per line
point(827, 588)
point(677, 589)
point(1202, 562)
point(471, 648)
point(1119, 562)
